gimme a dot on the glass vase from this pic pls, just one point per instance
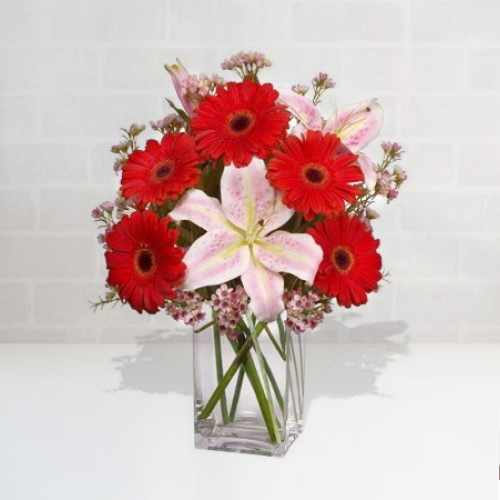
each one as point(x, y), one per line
point(248, 387)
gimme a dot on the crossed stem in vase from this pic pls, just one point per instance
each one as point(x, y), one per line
point(265, 387)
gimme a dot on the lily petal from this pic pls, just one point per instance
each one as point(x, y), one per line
point(368, 168)
point(358, 125)
point(297, 254)
point(328, 104)
point(298, 130)
point(201, 209)
point(214, 258)
point(248, 198)
point(302, 109)
point(265, 289)
point(281, 214)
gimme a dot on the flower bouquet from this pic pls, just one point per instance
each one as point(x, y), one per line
point(246, 216)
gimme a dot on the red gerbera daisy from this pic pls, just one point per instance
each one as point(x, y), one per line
point(143, 260)
point(351, 264)
point(241, 121)
point(316, 173)
point(162, 171)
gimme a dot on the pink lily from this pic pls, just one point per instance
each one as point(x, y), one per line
point(356, 126)
point(179, 75)
point(302, 108)
point(242, 240)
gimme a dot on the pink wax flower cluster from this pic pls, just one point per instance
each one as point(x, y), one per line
point(229, 304)
point(323, 80)
point(390, 180)
point(102, 211)
point(103, 216)
point(187, 306)
point(197, 87)
point(305, 310)
point(170, 123)
point(392, 149)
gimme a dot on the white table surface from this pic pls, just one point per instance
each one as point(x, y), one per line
point(388, 421)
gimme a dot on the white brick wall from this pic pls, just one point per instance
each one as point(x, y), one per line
point(74, 72)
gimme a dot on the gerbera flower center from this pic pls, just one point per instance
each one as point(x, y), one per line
point(315, 174)
point(145, 262)
point(162, 170)
point(240, 122)
point(342, 259)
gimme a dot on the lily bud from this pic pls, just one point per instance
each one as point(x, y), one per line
point(179, 75)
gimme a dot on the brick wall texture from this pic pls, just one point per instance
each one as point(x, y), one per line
point(72, 73)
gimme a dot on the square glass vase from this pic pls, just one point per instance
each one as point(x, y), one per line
point(248, 387)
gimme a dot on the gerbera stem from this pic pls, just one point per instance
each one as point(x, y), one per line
point(230, 373)
point(268, 403)
point(281, 328)
point(297, 378)
point(274, 384)
point(302, 368)
point(204, 327)
point(220, 370)
point(290, 385)
point(275, 343)
point(237, 393)
point(286, 341)
point(268, 369)
point(298, 222)
point(253, 377)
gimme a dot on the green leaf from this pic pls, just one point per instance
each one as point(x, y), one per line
point(179, 111)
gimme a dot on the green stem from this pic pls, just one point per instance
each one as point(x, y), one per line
point(253, 377)
point(220, 370)
point(275, 385)
point(298, 222)
point(204, 327)
point(269, 401)
point(282, 331)
point(299, 384)
point(267, 367)
point(290, 382)
point(237, 392)
point(230, 373)
point(275, 343)
point(286, 340)
point(302, 366)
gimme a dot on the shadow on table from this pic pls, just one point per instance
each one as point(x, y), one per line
point(343, 364)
